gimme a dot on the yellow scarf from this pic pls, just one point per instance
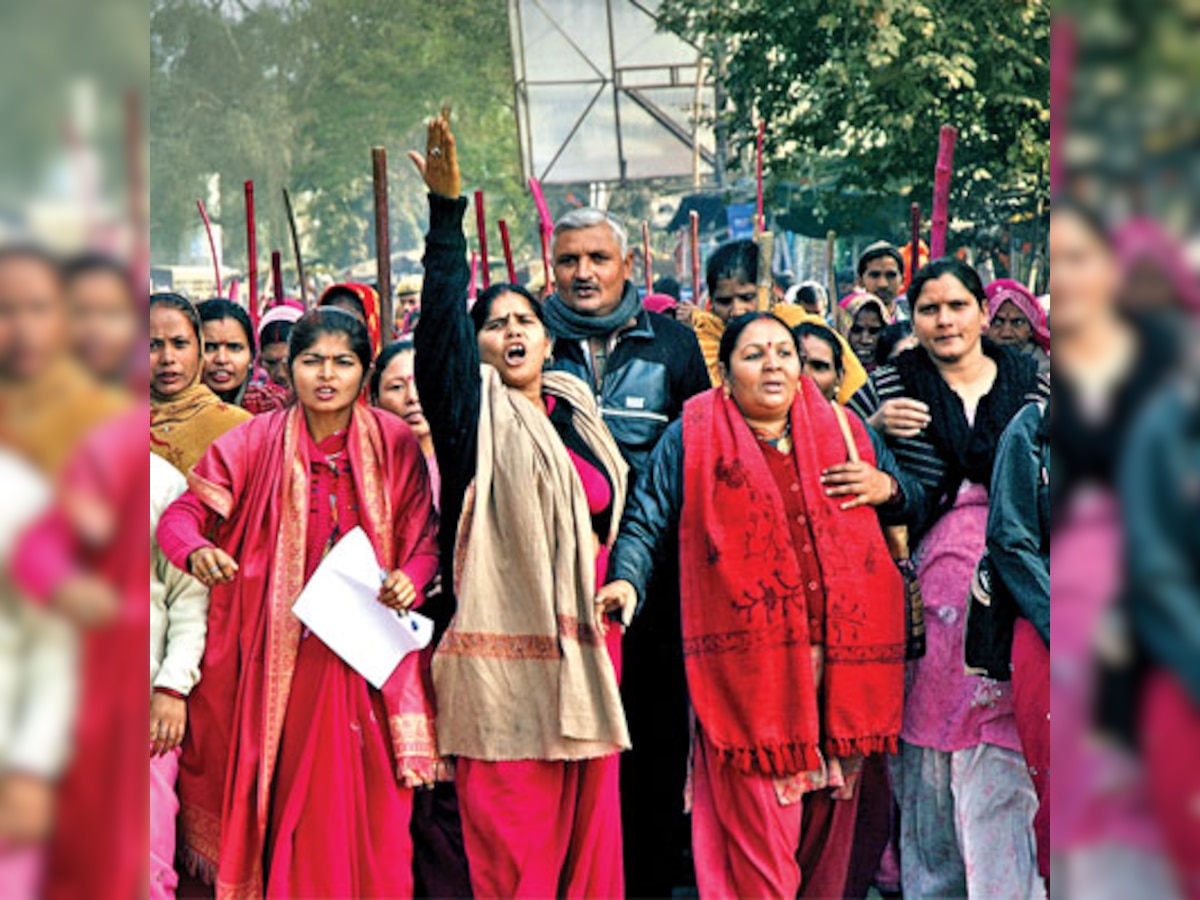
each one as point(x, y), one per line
point(182, 427)
point(709, 329)
point(45, 419)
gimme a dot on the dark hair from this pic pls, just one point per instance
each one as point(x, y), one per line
point(219, 309)
point(325, 320)
point(384, 359)
point(339, 294)
point(667, 285)
point(182, 304)
point(889, 338)
point(1085, 214)
point(826, 334)
point(97, 263)
point(734, 330)
point(947, 265)
point(276, 332)
point(483, 304)
point(876, 251)
point(33, 253)
point(812, 293)
point(733, 259)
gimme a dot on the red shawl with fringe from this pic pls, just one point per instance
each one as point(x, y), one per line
point(745, 625)
point(256, 478)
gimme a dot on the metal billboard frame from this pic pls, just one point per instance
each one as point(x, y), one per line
point(633, 82)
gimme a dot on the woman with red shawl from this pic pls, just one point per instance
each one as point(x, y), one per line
point(793, 617)
point(296, 775)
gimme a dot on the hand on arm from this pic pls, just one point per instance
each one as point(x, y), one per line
point(87, 601)
point(862, 481)
point(616, 596)
point(900, 418)
point(212, 566)
point(168, 721)
point(397, 591)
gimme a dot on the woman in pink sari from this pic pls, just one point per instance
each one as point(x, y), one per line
point(296, 775)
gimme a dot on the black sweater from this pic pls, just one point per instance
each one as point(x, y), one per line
point(448, 381)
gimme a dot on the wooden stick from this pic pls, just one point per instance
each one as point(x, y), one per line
point(277, 277)
point(481, 228)
point(545, 228)
point(760, 223)
point(1062, 64)
point(508, 257)
point(942, 174)
point(383, 241)
point(766, 255)
point(212, 247)
point(647, 259)
point(694, 258)
point(831, 269)
point(251, 255)
point(914, 256)
point(545, 237)
point(291, 216)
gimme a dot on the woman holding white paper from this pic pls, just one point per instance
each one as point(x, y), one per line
point(296, 776)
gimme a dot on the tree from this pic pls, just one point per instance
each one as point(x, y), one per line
point(859, 89)
point(296, 95)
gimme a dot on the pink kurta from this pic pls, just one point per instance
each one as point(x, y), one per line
point(331, 818)
point(946, 709)
point(536, 828)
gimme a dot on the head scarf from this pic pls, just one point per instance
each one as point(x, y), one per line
point(1005, 290)
point(855, 304)
point(287, 311)
point(1144, 240)
point(369, 298)
point(182, 427)
point(660, 303)
point(851, 297)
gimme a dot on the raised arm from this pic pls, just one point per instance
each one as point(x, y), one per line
point(447, 365)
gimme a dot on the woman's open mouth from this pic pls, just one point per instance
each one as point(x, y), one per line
point(326, 393)
point(515, 355)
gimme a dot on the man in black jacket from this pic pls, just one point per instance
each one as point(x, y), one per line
point(643, 368)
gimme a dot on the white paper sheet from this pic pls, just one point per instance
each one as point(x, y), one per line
point(339, 606)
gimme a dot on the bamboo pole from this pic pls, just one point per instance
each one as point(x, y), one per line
point(291, 216)
point(694, 254)
point(383, 240)
point(506, 244)
point(277, 277)
point(481, 227)
point(647, 259)
point(942, 175)
point(212, 247)
point(251, 255)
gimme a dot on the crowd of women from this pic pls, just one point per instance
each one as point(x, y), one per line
point(820, 535)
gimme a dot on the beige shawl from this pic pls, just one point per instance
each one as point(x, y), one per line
point(521, 673)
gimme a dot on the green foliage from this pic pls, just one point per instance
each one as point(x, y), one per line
point(295, 95)
point(856, 91)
